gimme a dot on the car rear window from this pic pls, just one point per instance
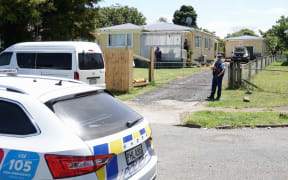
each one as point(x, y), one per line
point(239, 49)
point(61, 61)
point(14, 120)
point(95, 115)
point(89, 61)
point(5, 58)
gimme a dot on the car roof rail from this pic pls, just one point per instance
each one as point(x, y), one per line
point(9, 72)
point(12, 89)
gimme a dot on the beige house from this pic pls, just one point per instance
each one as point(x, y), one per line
point(257, 46)
point(168, 37)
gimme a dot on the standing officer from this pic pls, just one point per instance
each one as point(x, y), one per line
point(158, 55)
point(218, 73)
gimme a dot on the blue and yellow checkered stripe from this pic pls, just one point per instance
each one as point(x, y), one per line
point(118, 146)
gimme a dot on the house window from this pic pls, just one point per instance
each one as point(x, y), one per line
point(207, 43)
point(198, 42)
point(120, 40)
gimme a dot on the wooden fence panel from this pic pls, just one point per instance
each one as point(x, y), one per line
point(119, 69)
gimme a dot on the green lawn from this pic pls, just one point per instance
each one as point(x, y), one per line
point(274, 93)
point(162, 76)
point(235, 119)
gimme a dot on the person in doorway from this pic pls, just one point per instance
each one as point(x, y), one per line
point(218, 74)
point(186, 47)
point(158, 55)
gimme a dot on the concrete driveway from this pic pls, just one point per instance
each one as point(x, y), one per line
point(186, 153)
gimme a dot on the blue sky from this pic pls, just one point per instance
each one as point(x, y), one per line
point(222, 16)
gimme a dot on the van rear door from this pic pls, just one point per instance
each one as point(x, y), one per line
point(91, 68)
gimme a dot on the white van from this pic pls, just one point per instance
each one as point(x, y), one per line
point(74, 60)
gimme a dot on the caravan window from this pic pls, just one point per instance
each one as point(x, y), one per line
point(45, 60)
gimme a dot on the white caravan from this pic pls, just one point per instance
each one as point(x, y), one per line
point(74, 60)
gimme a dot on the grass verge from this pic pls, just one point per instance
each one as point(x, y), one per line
point(212, 119)
point(162, 76)
point(274, 93)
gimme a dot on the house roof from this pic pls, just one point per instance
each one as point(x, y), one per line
point(127, 26)
point(246, 37)
point(162, 26)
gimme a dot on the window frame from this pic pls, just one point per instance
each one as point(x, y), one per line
point(126, 40)
point(207, 43)
point(10, 58)
point(33, 123)
point(198, 41)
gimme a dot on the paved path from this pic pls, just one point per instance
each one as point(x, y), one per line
point(239, 154)
point(186, 153)
point(190, 89)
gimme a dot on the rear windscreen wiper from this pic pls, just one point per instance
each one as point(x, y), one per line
point(132, 123)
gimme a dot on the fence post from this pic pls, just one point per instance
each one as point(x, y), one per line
point(238, 84)
point(249, 72)
point(269, 60)
point(151, 65)
point(261, 67)
point(256, 65)
point(231, 77)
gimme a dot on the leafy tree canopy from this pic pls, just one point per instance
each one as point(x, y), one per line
point(68, 20)
point(16, 20)
point(117, 14)
point(180, 16)
point(278, 39)
point(242, 32)
point(30, 20)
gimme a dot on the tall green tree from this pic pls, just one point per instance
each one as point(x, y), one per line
point(68, 20)
point(117, 14)
point(30, 20)
point(242, 32)
point(221, 45)
point(278, 39)
point(184, 15)
point(18, 19)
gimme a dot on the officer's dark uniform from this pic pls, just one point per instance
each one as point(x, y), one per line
point(217, 81)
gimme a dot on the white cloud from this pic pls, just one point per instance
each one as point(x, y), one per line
point(222, 28)
point(276, 11)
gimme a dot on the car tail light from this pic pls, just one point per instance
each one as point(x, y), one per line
point(76, 76)
point(69, 166)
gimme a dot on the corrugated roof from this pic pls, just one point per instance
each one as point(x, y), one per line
point(162, 26)
point(127, 26)
point(246, 37)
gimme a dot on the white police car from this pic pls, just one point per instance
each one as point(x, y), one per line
point(60, 128)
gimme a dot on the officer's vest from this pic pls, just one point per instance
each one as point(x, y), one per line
point(218, 68)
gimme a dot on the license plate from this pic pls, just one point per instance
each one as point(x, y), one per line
point(134, 154)
point(92, 81)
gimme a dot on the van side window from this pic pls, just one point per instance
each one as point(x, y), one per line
point(90, 61)
point(54, 61)
point(14, 120)
point(5, 58)
point(45, 60)
point(26, 60)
